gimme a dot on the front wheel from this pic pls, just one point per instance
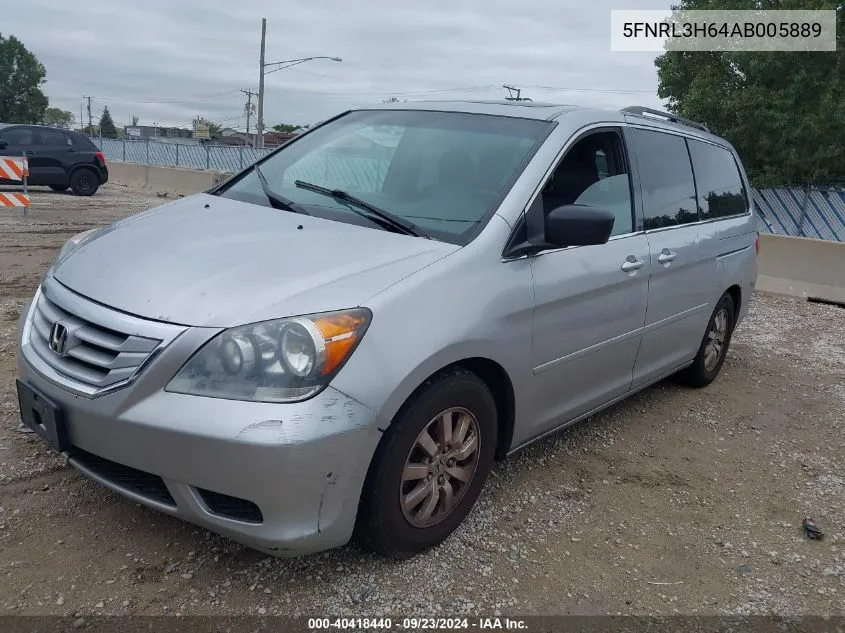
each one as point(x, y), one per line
point(84, 182)
point(430, 467)
point(714, 346)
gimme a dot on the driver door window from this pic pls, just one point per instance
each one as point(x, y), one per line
point(594, 173)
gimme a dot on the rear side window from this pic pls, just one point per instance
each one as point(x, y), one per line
point(666, 179)
point(81, 142)
point(19, 136)
point(720, 189)
point(55, 137)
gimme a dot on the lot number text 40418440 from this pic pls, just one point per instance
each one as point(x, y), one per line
point(416, 624)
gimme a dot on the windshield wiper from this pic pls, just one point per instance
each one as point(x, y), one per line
point(385, 218)
point(277, 201)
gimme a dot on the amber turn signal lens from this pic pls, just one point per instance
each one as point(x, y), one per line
point(341, 332)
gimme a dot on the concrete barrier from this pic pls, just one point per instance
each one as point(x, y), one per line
point(802, 267)
point(180, 180)
point(127, 174)
point(170, 179)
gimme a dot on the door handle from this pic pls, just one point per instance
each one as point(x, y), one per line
point(631, 264)
point(666, 256)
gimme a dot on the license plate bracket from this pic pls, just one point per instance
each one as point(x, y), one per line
point(43, 416)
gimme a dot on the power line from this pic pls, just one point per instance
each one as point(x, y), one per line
point(599, 90)
point(388, 92)
point(188, 99)
point(232, 118)
point(335, 78)
point(373, 93)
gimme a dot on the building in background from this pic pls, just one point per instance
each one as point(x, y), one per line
point(159, 133)
point(231, 136)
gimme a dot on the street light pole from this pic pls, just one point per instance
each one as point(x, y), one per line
point(259, 127)
point(259, 140)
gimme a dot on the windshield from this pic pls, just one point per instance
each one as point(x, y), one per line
point(445, 172)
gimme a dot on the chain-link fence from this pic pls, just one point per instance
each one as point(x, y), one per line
point(145, 152)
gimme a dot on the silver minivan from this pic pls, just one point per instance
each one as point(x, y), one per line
point(343, 338)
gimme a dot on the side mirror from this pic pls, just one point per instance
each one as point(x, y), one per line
point(578, 225)
point(3, 144)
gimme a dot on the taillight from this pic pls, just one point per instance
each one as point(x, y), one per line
point(757, 244)
point(101, 157)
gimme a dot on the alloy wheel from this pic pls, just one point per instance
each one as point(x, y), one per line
point(716, 340)
point(439, 467)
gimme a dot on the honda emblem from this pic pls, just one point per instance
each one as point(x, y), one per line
point(58, 338)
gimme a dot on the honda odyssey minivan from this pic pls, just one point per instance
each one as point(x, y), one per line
point(343, 338)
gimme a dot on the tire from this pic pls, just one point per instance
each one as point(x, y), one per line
point(705, 368)
point(59, 187)
point(387, 525)
point(84, 182)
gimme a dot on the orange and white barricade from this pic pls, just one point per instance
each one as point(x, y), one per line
point(17, 169)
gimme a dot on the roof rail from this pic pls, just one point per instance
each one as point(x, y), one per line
point(664, 115)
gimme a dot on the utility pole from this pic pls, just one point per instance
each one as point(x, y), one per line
point(81, 118)
point(249, 95)
point(511, 90)
point(90, 127)
point(259, 126)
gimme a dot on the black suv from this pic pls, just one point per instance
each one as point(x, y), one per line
point(57, 158)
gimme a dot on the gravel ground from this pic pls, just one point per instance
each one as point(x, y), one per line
point(675, 501)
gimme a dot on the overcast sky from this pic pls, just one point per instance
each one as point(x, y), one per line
point(167, 61)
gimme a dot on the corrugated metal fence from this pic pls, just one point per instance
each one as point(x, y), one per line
point(812, 212)
point(341, 170)
point(143, 152)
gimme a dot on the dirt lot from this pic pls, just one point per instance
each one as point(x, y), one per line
point(676, 501)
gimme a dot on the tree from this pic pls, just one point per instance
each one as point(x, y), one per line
point(56, 117)
point(213, 128)
point(107, 127)
point(286, 128)
point(781, 110)
point(21, 77)
point(394, 100)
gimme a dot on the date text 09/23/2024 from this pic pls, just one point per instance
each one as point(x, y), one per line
point(416, 624)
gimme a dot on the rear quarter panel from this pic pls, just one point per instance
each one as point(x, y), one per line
point(728, 247)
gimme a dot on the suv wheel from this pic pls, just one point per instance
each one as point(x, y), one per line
point(429, 469)
point(84, 182)
point(714, 346)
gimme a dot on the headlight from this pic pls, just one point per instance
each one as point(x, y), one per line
point(284, 360)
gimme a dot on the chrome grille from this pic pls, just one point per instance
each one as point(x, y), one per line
point(93, 355)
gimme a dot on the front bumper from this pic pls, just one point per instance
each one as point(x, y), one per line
point(303, 464)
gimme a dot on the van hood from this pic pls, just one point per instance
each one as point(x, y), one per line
point(210, 261)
